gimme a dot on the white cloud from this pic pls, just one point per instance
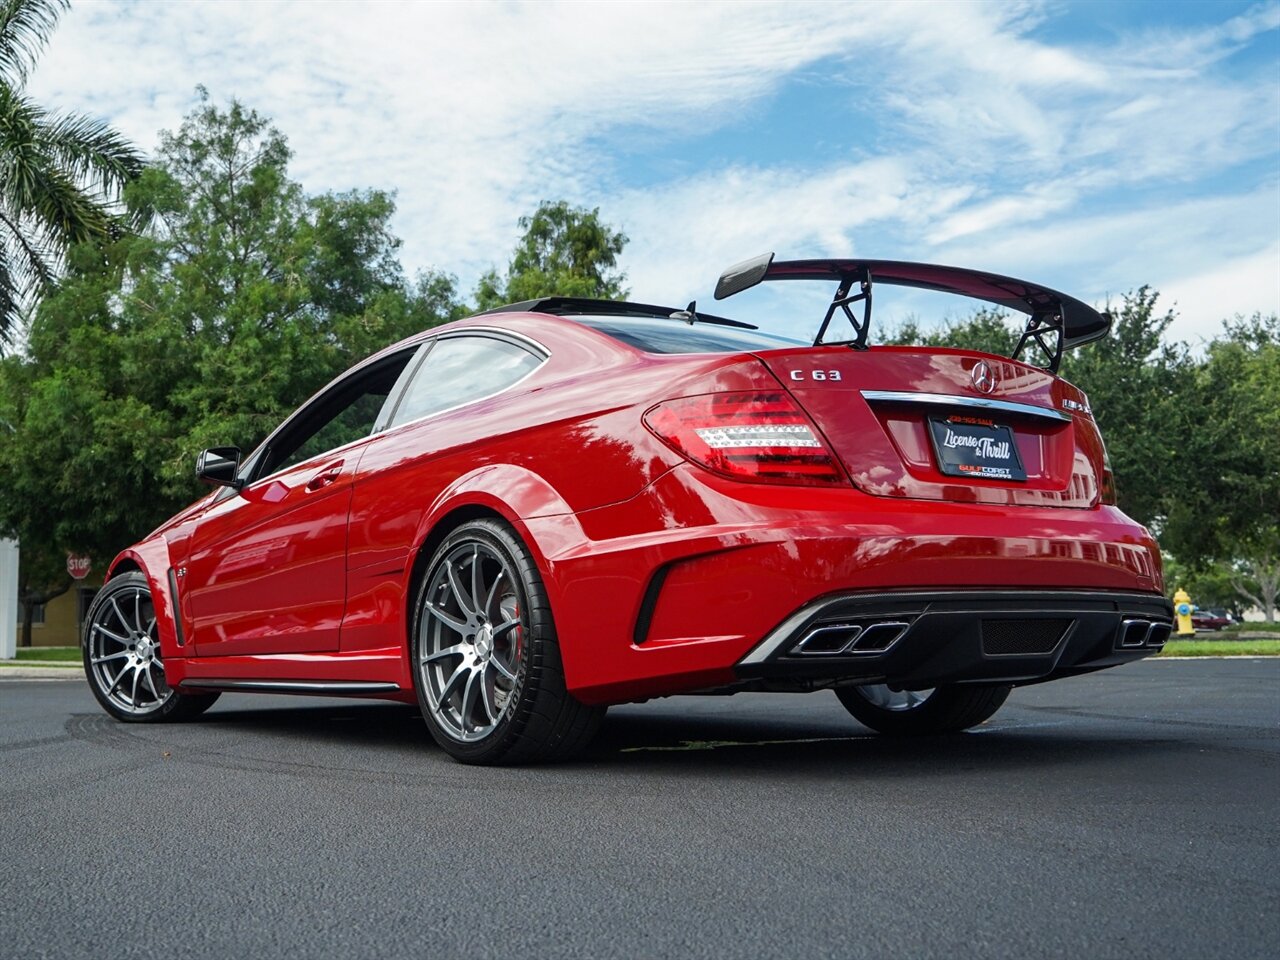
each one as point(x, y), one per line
point(1167, 52)
point(687, 231)
point(1209, 254)
point(994, 142)
point(1245, 284)
point(1033, 205)
point(474, 112)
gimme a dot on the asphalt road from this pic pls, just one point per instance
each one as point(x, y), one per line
point(1129, 814)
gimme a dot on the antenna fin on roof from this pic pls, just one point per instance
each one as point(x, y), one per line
point(689, 314)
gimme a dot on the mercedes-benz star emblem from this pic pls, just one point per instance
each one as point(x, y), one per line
point(984, 377)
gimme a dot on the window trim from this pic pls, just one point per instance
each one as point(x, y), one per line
point(423, 347)
point(387, 415)
point(250, 463)
point(541, 353)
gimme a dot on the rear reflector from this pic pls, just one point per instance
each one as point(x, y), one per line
point(1108, 486)
point(758, 435)
point(1108, 492)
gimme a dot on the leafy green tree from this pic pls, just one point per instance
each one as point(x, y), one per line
point(565, 251)
point(1209, 585)
point(1224, 503)
point(242, 299)
point(987, 329)
point(60, 173)
point(30, 511)
point(1133, 378)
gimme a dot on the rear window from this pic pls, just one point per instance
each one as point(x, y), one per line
point(676, 336)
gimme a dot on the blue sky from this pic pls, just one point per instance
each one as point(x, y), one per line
point(1093, 147)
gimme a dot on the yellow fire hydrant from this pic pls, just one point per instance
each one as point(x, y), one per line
point(1182, 608)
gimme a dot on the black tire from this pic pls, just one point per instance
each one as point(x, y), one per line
point(120, 648)
point(505, 642)
point(943, 710)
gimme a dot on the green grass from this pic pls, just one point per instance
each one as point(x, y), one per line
point(1252, 628)
point(1221, 648)
point(49, 653)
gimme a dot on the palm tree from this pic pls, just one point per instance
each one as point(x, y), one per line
point(61, 174)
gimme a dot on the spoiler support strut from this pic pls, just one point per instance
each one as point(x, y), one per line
point(1039, 328)
point(843, 301)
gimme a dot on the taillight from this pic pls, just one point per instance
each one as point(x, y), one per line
point(758, 435)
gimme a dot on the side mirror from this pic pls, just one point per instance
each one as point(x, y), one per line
point(219, 465)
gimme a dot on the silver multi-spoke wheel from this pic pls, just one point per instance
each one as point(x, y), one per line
point(122, 656)
point(471, 640)
point(486, 663)
point(123, 652)
point(882, 696)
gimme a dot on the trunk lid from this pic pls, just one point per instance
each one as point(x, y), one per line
point(903, 421)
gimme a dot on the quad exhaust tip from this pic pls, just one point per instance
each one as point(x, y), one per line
point(1143, 633)
point(851, 639)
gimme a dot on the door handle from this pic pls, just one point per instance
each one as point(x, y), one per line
point(325, 477)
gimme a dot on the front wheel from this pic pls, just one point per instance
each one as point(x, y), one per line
point(486, 663)
point(122, 657)
point(916, 713)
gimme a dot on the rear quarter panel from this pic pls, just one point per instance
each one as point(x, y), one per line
point(566, 440)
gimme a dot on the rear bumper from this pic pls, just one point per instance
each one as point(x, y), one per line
point(917, 640)
point(673, 590)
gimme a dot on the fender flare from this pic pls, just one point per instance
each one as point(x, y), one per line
point(515, 494)
point(151, 559)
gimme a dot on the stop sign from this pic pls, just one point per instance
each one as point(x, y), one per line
point(78, 566)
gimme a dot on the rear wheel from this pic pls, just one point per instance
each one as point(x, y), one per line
point(907, 713)
point(486, 663)
point(122, 656)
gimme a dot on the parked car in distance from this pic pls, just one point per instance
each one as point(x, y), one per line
point(520, 518)
point(1212, 620)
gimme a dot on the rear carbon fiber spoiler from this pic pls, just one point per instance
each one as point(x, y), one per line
point(583, 306)
point(1055, 321)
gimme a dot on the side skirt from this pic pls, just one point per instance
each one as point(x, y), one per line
point(332, 688)
point(365, 673)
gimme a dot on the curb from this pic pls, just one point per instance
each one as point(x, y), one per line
point(42, 673)
point(1218, 656)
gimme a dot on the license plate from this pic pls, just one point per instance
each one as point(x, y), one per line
point(975, 448)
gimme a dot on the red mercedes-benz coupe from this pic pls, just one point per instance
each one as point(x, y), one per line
point(522, 517)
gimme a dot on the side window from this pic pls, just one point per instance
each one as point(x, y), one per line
point(344, 414)
point(459, 370)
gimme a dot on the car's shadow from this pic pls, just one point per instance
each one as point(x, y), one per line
point(385, 736)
